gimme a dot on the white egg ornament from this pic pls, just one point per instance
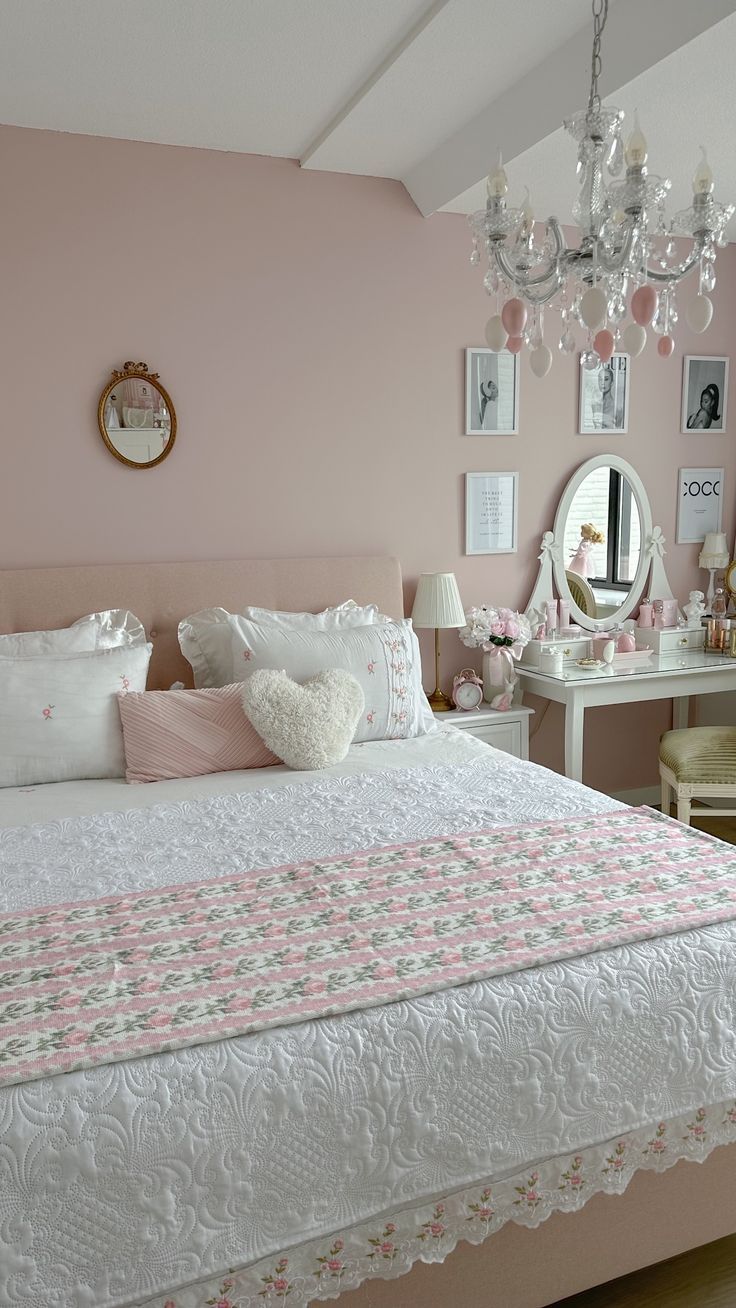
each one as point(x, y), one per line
point(496, 334)
point(699, 314)
point(593, 308)
point(634, 339)
point(540, 360)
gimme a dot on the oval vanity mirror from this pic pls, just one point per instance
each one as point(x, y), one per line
point(136, 417)
point(602, 547)
point(601, 524)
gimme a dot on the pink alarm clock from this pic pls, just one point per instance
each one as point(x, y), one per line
point(467, 690)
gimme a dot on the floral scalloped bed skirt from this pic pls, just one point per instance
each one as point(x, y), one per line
point(388, 1247)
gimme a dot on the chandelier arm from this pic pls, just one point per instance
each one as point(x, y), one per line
point(618, 262)
point(672, 275)
point(551, 270)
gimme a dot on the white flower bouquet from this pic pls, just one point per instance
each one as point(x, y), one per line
point(488, 627)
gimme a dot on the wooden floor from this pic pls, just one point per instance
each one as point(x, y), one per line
point(703, 1278)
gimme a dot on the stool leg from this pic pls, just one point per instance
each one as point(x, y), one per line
point(684, 800)
point(665, 803)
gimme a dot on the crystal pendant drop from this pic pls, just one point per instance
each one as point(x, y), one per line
point(659, 324)
point(616, 156)
point(590, 360)
point(708, 279)
point(491, 281)
point(475, 257)
point(616, 308)
point(567, 342)
point(670, 248)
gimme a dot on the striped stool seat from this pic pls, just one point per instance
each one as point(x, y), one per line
point(699, 761)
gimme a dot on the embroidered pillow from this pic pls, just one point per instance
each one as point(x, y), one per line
point(187, 733)
point(383, 658)
point(204, 637)
point(59, 718)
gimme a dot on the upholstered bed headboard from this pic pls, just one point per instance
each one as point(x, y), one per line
point(161, 594)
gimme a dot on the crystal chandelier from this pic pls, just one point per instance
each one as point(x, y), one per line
point(626, 254)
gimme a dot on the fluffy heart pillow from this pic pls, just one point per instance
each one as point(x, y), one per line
point(308, 726)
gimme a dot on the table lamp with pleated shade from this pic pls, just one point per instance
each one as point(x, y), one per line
point(713, 556)
point(437, 604)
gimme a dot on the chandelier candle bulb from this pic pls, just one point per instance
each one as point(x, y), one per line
point(636, 153)
point(703, 176)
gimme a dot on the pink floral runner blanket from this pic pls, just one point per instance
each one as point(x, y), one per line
point(111, 979)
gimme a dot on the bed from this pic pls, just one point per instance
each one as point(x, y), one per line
point(543, 1121)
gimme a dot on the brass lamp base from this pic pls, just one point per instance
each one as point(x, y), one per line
point(439, 702)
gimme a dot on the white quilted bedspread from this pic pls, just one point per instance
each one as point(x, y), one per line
point(140, 1177)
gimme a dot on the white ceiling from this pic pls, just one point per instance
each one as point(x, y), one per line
point(421, 90)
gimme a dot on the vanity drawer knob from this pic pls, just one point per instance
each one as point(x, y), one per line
point(682, 640)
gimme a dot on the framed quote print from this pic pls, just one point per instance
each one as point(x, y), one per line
point(491, 512)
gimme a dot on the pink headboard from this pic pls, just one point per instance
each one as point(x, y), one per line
point(161, 594)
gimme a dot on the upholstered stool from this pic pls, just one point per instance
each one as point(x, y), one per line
point(699, 761)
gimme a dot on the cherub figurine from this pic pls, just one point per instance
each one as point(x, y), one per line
point(695, 609)
point(581, 561)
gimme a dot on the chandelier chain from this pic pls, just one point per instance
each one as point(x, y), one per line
point(600, 14)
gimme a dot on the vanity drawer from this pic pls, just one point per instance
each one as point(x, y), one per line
point(577, 647)
point(670, 640)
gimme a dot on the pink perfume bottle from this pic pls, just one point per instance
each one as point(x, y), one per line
point(646, 610)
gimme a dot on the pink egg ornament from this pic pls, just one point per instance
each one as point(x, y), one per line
point(514, 344)
point(644, 305)
point(603, 345)
point(665, 346)
point(513, 317)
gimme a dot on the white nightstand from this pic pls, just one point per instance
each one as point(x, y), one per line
point(507, 731)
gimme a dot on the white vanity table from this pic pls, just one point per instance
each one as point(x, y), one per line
point(631, 537)
point(674, 676)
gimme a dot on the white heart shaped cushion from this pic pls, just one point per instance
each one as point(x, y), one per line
point(309, 726)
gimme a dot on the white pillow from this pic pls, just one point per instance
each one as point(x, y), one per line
point(204, 637)
point(95, 631)
point(383, 658)
point(344, 615)
point(59, 716)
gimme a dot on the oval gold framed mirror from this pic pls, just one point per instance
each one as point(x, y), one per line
point(136, 417)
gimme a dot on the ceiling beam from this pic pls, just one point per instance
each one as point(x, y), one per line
point(307, 157)
point(637, 37)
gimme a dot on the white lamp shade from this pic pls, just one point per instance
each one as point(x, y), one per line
point(714, 553)
point(437, 602)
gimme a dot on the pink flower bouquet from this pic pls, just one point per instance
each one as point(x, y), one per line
point(488, 627)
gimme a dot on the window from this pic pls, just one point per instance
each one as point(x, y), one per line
point(605, 499)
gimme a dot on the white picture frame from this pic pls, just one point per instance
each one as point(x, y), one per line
point(699, 504)
point(491, 392)
point(701, 376)
point(604, 397)
point(491, 512)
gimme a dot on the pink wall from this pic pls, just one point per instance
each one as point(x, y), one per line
point(310, 328)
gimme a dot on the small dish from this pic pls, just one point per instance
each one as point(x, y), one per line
point(589, 665)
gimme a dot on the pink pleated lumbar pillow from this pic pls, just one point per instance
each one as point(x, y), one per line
point(187, 733)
